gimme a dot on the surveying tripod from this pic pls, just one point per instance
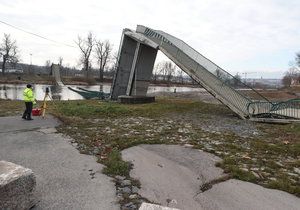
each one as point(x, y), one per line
point(44, 106)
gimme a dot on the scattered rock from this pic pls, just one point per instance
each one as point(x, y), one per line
point(297, 170)
point(292, 174)
point(188, 145)
point(133, 196)
point(183, 130)
point(129, 206)
point(126, 182)
point(255, 174)
point(135, 189)
point(75, 144)
point(254, 169)
point(120, 177)
point(125, 190)
point(96, 151)
point(279, 164)
point(120, 197)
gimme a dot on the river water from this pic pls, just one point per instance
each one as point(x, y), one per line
point(15, 92)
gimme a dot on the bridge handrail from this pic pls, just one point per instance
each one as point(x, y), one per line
point(227, 77)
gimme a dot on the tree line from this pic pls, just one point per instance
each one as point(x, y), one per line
point(92, 51)
point(292, 76)
point(89, 46)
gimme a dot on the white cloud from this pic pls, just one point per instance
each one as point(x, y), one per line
point(234, 33)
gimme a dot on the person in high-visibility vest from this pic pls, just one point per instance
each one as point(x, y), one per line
point(29, 99)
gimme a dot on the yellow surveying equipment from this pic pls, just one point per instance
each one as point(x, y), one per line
point(44, 106)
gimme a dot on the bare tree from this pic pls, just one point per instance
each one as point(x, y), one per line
point(86, 47)
point(298, 59)
point(155, 73)
point(8, 51)
point(286, 81)
point(60, 61)
point(292, 74)
point(180, 75)
point(168, 68)
point(103, 55)
point(48, 66)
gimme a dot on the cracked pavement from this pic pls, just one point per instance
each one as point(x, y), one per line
point(172, 175)
point(65, 178)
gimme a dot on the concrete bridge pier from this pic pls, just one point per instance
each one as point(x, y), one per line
point(134, 69)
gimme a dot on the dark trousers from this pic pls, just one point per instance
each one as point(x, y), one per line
point(28, 110)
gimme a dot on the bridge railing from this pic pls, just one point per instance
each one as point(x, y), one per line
point(285, 109)
point(222, 83)
point(220, 73)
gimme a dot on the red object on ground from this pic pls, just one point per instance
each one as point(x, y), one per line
point(36, 112)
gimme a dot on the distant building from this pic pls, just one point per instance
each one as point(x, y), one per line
point(16, 71)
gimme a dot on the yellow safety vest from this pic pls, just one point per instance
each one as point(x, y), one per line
point(28, 95)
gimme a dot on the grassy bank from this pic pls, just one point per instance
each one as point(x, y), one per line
point(265, 154)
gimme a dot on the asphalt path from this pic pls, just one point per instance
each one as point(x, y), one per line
point(65, 178)
point(173, 175)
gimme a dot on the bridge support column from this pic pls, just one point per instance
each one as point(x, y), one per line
point(135, 64)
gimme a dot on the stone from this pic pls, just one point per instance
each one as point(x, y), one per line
point(120, 198)
point(133, 196)
point(17, 185)
point(297, 170)
point(293, 174)
point(183, 130)
point(149, 206)
point(96, 151)
point(75, 144)
point(125, 190)
point(255, 174)
point(130, 205)
point(120, 177)
point(135, 189)
point(126, 182)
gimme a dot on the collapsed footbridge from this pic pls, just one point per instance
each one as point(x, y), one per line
point(137, 54)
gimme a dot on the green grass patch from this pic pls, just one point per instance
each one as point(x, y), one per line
point(11, 107)
point(115, 165)
point(240, 174)
point(284, 183)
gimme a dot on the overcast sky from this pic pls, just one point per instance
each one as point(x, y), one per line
point(260, 37)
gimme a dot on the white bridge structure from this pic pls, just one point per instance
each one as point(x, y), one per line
point(136, 57)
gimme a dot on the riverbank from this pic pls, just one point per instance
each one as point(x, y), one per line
point(68, 80)
point(42, 79)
